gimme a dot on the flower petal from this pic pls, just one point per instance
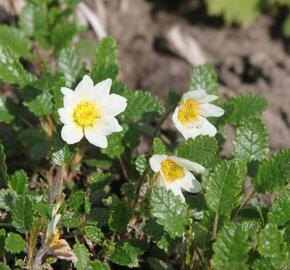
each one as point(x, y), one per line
point(211, 110)
point(95, 138)
point(196, 95)
point(189, 165)
point(85, 86)
point(108, 125)
point(208, 98)
point(65, 115)
point(117, 104)
point(69, 97)
point(155, 162)
point(190, 184)
point(206, 128)
point(71, 133)
point(101, 91)
point(176, 189)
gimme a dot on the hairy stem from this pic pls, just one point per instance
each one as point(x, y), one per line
point(215, 226)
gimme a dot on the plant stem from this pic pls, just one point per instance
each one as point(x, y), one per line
point(215, 226)
point(38, 258)
point(248, 197)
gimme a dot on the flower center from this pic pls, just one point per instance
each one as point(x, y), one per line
point(86, 114)
point(189, 112)
point(171, 170)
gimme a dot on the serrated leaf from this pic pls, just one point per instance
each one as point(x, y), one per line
point(202, 149)
point(97, 265)
point(141, 164)
point(3, 168)
point(5, 116)
point(11, 70)
point(19, 182)
point(14, 39)
point(125, 254)
point(251, 142)
point(273, 173)
point(94, 233)
point(119, 215)
point(98, 181)
point(242, 12)
point(272, 246)
point(141, 103)
point(61, 153)
point(244, 107)
point(70, 221)
point(70, 65)
point(231, 248)
point(223, 187)
point(116, 145)
point(7, 199)
point(77, 201)
point(159, 147)
point(22, 213)
point(169, 211)
point(106, 61)
point(41, 106)
point(83, 256)
point(263, 264)
point(204, 77)
point(62, 35)
point(280, 211)
point(14, 243)
point(32, 21)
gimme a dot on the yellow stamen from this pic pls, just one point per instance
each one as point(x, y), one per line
point(86, 114)
point(171, 170)
point(189, 112)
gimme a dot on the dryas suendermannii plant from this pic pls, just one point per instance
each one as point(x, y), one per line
point(78, 205)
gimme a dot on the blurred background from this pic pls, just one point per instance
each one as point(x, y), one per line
point(161, 40)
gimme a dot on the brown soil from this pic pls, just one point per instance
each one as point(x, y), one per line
point(247, 60)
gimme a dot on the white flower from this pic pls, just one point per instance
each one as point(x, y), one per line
point(174, 173)
point(190, 115)
point(90, 111)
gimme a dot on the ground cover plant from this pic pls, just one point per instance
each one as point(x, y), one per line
point(79, 191)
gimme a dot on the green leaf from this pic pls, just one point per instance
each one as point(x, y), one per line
point(272, 246)
point(62, 35)
point(97, 265)
point(126, 253)
point(231, 248)
point(14, 243)
point(159, 147)
point(83, 256)
point(141, 103)
point(4, 266)
point(7, 199)
point(61, 153)
point(204, 77)
point(98, 181)
point(78, 202)
point(19, 182)
point(119, 215)
point(94, 233)
point(70, 65)
point(251, 142)
point(242, 12)
point(273, 173)
point(41, 106)
point(32, 21)
point(14, 39)
point(3, 168)
point(5, 116)
point(263, 264)
point(280, 211)
point(169, 211)
point(106, 61)
point(244, 107)
point(223, 187)
point(141, 164)
point(202, 149)
point(22, 213)
point(11, 70)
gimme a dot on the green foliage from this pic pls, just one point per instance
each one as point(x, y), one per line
point(3, 167)
point(141, 103)
point(202, 149)
point(231, 248)
point(159, 147)
point(169, 211)
point(141, 164)
point(273, 173)
point(242, 12)
point(223, 187)
point(204, 77)
point(70, 65)
point(22, 213)
point(115, 144)
point(5, 115)
point(244, 107)
point(7, 199)
point(251, 142)
point(40, 106)
point(119, 215)
point(105, 64)
point(273, 247)
point(280, 211)
point(14, 243)
point(83, 256)
point(94, 233)
point(15, 40)
point(19, 182)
